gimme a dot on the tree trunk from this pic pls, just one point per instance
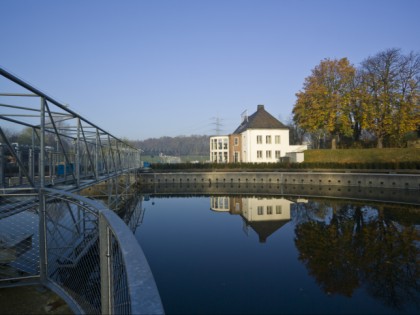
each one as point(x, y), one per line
point(380, 144)
point(357, 131)
point(334, 143)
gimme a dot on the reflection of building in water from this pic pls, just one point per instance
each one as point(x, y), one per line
point(220, 203)
point(263, 215)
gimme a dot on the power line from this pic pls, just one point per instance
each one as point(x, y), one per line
point(217, 125)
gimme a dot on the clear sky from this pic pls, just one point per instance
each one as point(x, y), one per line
point(142, 69)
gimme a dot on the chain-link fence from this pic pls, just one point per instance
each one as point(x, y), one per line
point(82, 251)
point(19, 238)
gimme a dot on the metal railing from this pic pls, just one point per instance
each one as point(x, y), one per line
point(74, 245)
point(43, 141)
point(84, 252)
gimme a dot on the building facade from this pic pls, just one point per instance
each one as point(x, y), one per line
point(259, 138)
point(219, 149)
point(264, 215)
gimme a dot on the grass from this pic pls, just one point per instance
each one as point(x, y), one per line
point(392, 155)
point(184, 159)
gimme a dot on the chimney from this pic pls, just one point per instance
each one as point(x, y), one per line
point(260, 107)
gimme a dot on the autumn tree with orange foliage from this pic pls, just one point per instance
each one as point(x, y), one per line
point(325, 102)
point(380, 98)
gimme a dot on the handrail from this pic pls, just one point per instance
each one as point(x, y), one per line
point(118, 248)
point(140, 280)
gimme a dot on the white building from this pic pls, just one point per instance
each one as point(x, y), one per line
point(264, 215)
point(259, 138)
point(219, 149)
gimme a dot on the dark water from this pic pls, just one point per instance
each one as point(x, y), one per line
point(271, 255)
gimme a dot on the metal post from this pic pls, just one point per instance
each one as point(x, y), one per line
point(77, 162)
point(2, 166)
point(50, 157)
point(97, 155)
point(32, 157)
point(42, 145)
point(19, 155)
point(31, 165)
point(105, 266)
point(43, 259)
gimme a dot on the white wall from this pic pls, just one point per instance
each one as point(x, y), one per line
point(250, 147)
point(256, 209)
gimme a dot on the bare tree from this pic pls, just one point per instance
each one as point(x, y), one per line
point(390, 83)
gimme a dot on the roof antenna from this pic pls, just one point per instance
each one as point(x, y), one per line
point(244, 116)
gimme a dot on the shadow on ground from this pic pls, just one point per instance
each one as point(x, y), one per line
point(31, 300)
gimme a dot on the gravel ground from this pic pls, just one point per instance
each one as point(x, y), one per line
point(31, 300)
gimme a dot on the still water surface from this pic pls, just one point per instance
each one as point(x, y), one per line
point(261, 255)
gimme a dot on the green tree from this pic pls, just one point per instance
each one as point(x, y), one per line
point(390, 95)
point(25, 136)
point(324, 105)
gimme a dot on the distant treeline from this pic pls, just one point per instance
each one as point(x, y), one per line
point(177, 146)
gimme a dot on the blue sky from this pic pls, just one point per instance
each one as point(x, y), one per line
point(143, 69)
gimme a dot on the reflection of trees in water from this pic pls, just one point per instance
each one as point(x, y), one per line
point(345, 246)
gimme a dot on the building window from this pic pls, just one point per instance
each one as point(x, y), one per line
point(277, 139)
point(269, 209)
point(268, 139)
point(268, 154)
point(259, 139)
point(259, 154)
point(260, 210)
point(236, 158)
point(277, 154)
point(225, 144)
point(278, 209)
point(236, 141)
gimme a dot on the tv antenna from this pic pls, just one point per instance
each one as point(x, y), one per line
point(244, 116)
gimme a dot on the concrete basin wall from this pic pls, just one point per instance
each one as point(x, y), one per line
point(368, 180)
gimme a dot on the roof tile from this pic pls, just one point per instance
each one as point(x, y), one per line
point(261, 119)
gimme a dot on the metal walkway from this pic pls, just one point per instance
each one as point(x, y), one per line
point(43, 142)
point(49, 233)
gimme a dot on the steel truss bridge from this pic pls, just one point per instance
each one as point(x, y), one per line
point(50, 233)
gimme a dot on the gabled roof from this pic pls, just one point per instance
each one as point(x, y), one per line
point(261, 119)
point(265, 228)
